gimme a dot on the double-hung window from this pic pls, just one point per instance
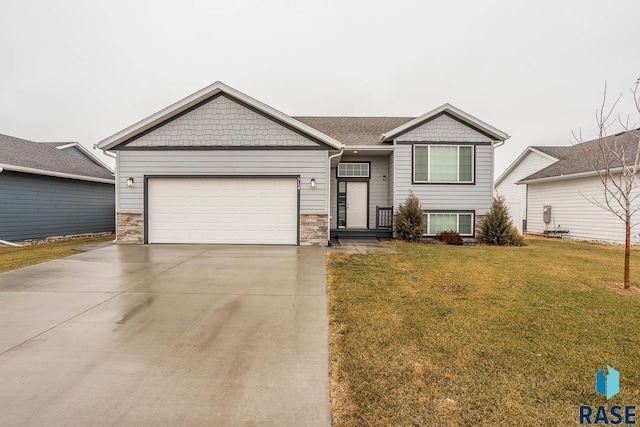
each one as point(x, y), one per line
point(460, 222)
point(443, 164)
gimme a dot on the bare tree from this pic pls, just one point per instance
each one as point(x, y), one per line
point(616, 159)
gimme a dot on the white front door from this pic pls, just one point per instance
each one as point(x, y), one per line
point(357, 204)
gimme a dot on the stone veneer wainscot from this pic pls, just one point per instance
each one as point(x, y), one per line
point(314, 230)
point(130, 227)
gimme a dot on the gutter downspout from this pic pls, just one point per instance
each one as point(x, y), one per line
point(328, 196)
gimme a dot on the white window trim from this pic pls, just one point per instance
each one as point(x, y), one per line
point(457, 214)
point(368, 175)
point(429, 181)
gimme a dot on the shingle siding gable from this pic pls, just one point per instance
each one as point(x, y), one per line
point(222, 122)
point(446, 129)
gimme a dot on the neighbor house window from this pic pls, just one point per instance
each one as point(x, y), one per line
point(353, 170)
point(443, 163)
point(460, 222)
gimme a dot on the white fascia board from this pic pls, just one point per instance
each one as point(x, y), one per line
point(199, 96)
point(56, 174)
point(87, 153)
point(548, 156)
point(388, 148)
point(563, 177)
point(454, 111)
point(517, 161)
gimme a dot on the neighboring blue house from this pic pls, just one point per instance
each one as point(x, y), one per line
point(53, 189)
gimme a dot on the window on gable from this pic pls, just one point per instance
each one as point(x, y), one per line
point(353, 170)
point(443, 163)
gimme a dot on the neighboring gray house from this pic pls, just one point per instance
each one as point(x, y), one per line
point(560, 181)
point(222, 167)
point(52, 189)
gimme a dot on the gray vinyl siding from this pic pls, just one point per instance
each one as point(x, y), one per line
point(378, 188)
point(572, 210)
point(222, 122)
point(450, 197)
point(453, 197)
point(36, 206)
point(306, 163)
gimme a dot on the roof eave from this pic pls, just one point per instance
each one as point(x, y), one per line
point(202, 95)
point(45, 172)
point(454, 111)
point(87, 153)
point(564, 177)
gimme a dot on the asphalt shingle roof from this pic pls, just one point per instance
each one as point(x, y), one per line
point(355, 130)
point(45, 156)
point(575, 159)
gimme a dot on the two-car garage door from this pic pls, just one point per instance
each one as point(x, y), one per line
point(222, 210)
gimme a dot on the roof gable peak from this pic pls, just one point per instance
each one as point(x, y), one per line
point(201, 96)
point(453, 111)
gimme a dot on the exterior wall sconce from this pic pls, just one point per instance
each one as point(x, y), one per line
point(130, 182)
point(384, 177)
point(313, 183)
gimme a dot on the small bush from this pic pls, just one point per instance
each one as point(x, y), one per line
point(514, 238)
point(498, 228)
point(449, 237)
point(408, 221)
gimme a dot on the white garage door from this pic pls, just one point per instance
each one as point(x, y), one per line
point(223, 210)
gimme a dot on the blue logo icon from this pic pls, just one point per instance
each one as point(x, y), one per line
point(608, 385)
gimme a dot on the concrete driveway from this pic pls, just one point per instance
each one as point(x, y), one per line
point(167, 335)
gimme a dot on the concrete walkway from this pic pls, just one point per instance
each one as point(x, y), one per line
point(167, 335)
point(361, 246)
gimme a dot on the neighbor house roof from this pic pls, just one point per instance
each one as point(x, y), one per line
point(202, 96)
point(547, 152)
point(573, 161)
point(21, 155)
point(355, 130)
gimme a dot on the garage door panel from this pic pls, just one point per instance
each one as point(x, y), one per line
point(223, 210)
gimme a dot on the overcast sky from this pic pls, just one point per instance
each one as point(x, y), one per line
point(84, 70)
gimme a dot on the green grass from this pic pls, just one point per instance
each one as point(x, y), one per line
point(12, 258)
point(444, 335)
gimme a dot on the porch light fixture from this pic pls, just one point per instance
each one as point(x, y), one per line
point(130, 182)
point(384, 177)
point(355, 151)
point(313, 183)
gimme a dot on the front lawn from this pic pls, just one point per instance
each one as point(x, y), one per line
point(444, 335)
point(12, 258)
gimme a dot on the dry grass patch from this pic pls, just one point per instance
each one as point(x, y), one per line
point(442, 335)
point(12, 258)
